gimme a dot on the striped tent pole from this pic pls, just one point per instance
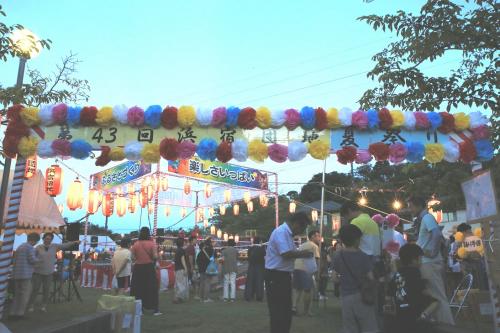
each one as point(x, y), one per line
point(10, 229)
point(493, 286)
point(155, 214)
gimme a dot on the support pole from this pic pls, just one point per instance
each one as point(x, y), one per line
point(9, 231)
point(155, 213)
point(322, 213)
point(276, 201)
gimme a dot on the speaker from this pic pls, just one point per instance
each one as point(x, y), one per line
point(93, 241)
point(73, 234)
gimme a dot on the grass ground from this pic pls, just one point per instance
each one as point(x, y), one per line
point(193, 316)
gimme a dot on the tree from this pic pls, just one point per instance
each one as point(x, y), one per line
point(441, 28)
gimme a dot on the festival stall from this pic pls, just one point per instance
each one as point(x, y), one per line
point(197, 140)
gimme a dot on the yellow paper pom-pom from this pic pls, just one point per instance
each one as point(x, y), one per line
point(151, 153)
point(104, 116)
point(478, 232)
point(319, 149)
point(398, 118)
point(459, 236)
point(263, 117)
point(462, 252)
point(480, 249)
point(27, 146)
point(117, 154)
point(332, 116)
point(186, 116)
point(29, 116)
point(257, 150)
point(462, 121)
point(434, 152)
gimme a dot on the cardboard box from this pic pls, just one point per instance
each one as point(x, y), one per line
point(480, 304)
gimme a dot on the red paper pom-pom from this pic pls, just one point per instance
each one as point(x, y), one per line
point(13, 113)
point(379, 150)
point(103, 159)
point(448, 123)
point(467, 151)
point(17, 128)
point(169, 117)
point(321, 120)
point(246, 118)
point(385, 119)
point(10, 143)
point(224, 152)
point(88, 115)
point(168, 149)
point(347, 154)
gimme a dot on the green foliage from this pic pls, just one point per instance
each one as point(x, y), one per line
point(442, 27)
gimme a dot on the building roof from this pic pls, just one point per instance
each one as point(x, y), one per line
point(330, 206)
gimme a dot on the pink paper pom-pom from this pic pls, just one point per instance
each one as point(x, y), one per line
point(392, 220)
point(481, 132)
point(61, 147)
point(360, 119)
point(397, 153)
point(278, 153)
point(135, 116)
point(219, 117)
point(186, 150)
point(59, 113)
point(378, 218)
point(363, 156)
point(392, 247)
point(292, 119)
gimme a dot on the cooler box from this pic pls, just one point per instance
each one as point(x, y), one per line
point(125, 312)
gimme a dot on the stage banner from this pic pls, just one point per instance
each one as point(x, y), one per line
point(220, 172)
point(119, 175)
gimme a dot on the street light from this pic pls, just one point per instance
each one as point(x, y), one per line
point(26, 45)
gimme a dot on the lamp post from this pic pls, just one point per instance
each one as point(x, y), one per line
point(27, 46)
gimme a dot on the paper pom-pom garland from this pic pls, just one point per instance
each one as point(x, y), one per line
point(392, 220)
point(247, 118)
point(133, 151)
point(319, 149)
point(415, 152)
point(278, 153)
point(297, 150)
point(232, 115)
point(378, 218)
point(168, 149)
point(46, 115)
point(29, 116)
point(150, 153)
point(379, 150)
point(308, 117)
point(448, 122)
point(257, 150)
point(224, 152)
point(120, 114)
point(263, 117)
point(61, 147)
point(332, 116)
point(459, 236)
point(186, 149)
point(169, 117)
point(398, 118)
point(467, 151)
point(397, 153)
point(321, 121)
point(103, 159)
point(292, 119)
point(347, 155)
point(385, 119)
point(462, 121)
point(484, 150)
point(363, 156)
point(186, 116)
point(240, 150)
point(27, 146)
point(80, 149)
point(88, 116)
point(59, 113)
point(206, 149)
point(44, 149)
point(219, 117)
point(204, 117)
point(360, 119)
point(152, 116)
point(117, 154)
point(434, 152)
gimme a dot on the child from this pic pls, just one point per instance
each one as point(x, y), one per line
point(413, 304)
point(121, 264)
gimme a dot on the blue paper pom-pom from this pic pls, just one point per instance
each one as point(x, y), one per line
point(484, 150)
point(232, 114)
point(73, 117)
point(434, 119)
point(416, 152)
point(152, 116)
point(206, 149)
point(373, 120)
point(80, 149)
point(307, 117)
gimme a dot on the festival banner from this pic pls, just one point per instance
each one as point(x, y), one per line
point(220, 172)
point(119, 175)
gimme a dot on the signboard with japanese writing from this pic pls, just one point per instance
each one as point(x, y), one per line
point(363, 139)
point(480, 198)
point(220, 172)
point(283, 136)
point(119, 175)
point(120, 135)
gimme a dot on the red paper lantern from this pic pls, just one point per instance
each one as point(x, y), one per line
point(108, 205)
point(143, 197)
point(132, 202)
point(94, 198)
point(53, 180)
point(30, 168)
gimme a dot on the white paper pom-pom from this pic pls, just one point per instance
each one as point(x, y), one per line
point(45, 114)
point(133, 150)
point(345, 117)
point(477, 119)
point(297, 150)
point(410, 120)
point(120, 114)
point(240, 150)
point(204, 116)
point(451, 152)
point(277, 118)
point(44, 149)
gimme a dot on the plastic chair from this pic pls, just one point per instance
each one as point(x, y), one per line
point(459, 296)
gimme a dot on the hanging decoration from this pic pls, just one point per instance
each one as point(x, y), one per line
point(236, 238)
point(93, 201)
point(187, 187)
point(212, 230)
point(247, 197)
point(60, 207)
point(226, 237)
point(150, 191)
point(222, 209)
point(291, 207)
point(236, 209)
point(156, 183)
point(205, 223)
point(150, 208)
point(167, 211)
point(130, 188)
point(219, 233)
point(314, 215)
point(143, 197)
point(30, 168)
point(164, 183)
point(53, 180)
point(108, 205)
point(132, 202)
point(263, 200)
point(250, 206)
point(211, 212)
point(208, 190)
point(227, 196)
point(121, 206)
point(183, 212)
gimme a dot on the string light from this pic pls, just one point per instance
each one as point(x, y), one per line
point(396, 204)
point(314, 215)
point(362, 201)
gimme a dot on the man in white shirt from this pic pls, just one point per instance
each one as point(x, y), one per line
point(280, 256)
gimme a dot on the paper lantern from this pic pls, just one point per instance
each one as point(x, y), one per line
point(208, 190)
point(132, 202)
point(53, 180)
point(121, 206)
point(205, 223)
point(118, 191)
point(164, 183)
point(30, 167)
point(150, 191)
point(167, 210)
point(146, 181)
point(183, 212)
point(61, 208)
point(108, 205)
point(60, 255)
point(93, 201)
point(314, 215)
point(211, 212)
point(247, 197)
point(131, 188)
point(212, 230)
point(263, 200)
point(74, 200)
point(250, 206)
point(187, 187)
point(156, 183)
point(236, 238)
point(222, 210)
point(150, 208)
point(199, 214)
point(143, 197)
point(227, 196)
point(236, 209)
point(226, 237)
point(219, 233)
point(292, 206)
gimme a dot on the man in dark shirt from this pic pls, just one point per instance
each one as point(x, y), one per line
point(181, 268)
point(255, 274)
point(190, 256)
